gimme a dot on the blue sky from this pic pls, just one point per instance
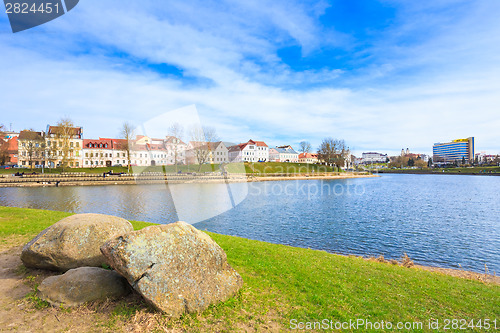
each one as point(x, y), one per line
point(383, 75)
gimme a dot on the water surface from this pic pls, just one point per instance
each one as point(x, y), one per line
point(438, 220)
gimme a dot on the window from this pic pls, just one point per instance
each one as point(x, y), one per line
point(87, 162)
point(77, 164)
point(86, 154)
point(71, 144)
point(78, 145)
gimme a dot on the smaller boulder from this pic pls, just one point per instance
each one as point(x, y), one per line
point(73, 242)
point(84, 284)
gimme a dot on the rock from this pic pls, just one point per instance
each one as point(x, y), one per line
point(175, 267)
point(73, 242)
point(81, 285)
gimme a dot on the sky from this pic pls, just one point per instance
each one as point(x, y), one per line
point(382, 75)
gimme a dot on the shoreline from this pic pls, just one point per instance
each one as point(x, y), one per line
point(281, 283)
point(409, 172)
point(130, 180)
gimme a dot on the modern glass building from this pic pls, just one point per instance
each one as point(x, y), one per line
point(456, 150)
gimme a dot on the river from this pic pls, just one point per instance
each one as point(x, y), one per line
point(438, 220)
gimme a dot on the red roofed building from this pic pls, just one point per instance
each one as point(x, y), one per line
point(251, 151)
point(9, 150)
point(308, 158)
point(98, 153)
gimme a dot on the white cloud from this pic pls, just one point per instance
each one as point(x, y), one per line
point(438, 88)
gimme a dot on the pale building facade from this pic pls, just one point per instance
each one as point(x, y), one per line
point(283, 154)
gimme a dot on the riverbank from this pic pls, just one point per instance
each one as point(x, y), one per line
point(55, 180)
point(477, 171)
point(282, 284)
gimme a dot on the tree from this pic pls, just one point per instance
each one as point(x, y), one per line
point(463, 160)
point(411, 162)
point(201, 137)
point(429, 162)
point(333, 152)
point(4, 146)
point(32, 146)
point(305, 147)
point(420, 163)
point(127, 134)
point(62, 146)
point(176, 130)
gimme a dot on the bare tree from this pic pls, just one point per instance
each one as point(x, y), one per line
point(4, 146)
point(32, 146)
point(127, 134)
point(201, 137)
point(62, 148)
point(333, 152)
point(176, 130)
point(305, 147)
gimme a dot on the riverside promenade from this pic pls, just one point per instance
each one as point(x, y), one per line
point(86, 179)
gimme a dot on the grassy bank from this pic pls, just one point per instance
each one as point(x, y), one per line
point(250, 168)
point(454, 171)
point(284, 283)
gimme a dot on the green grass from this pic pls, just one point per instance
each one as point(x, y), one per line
point(459, 170)
point(264, 168)
point(250, 168)
point(284, 283)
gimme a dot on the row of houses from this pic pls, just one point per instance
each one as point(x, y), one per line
point(52, 148)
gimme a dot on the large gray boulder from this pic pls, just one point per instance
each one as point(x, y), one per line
point(175, 267)
point(84, 284)
point(73, 242)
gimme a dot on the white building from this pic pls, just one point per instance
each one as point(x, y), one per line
point(283, 154)
point(218, 153)
point(373, 157)
point(251, 151)
point(176, 150)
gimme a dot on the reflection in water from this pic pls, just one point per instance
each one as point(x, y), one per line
point(438, 220)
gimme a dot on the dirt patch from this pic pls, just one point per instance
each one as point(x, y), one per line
point(405, 261)
point(20, 311)
point(486, 278)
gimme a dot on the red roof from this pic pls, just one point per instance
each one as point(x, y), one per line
point(12, 144)
point(98, 143)
point(257, 143)
point(308, 155)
